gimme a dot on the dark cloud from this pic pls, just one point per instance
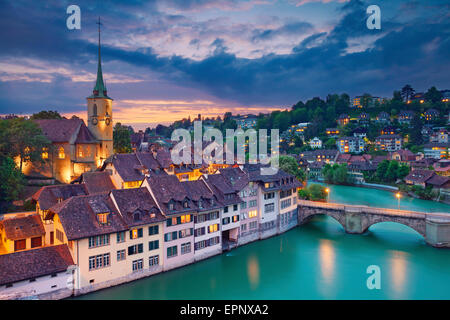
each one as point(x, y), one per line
point(414, 52)
point(293, 28)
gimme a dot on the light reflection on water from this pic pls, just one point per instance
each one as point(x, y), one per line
point(253, 272)
point(398, 270)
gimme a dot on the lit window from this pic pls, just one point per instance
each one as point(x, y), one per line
point(102, 218)
point(61, 153)
point(44, 153)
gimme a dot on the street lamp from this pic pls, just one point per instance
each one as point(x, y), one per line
point(398, 195)
point(327, 190)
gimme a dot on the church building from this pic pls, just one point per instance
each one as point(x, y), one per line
point(77, 148)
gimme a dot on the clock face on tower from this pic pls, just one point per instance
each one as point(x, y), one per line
point(107, 121)
point(94, 121)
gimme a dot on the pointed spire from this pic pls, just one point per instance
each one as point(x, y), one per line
point(100, 88)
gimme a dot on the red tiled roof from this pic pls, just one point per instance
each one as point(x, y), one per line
point(137, 206)
point(34, 263)
point(85, 136)
point(23, 227)
point(419, 176)
point(48, 196)
point(97, 181)
point(78, 216)
point(59, 130)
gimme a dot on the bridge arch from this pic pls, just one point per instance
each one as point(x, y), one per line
point(335, 215)
point(418, 227)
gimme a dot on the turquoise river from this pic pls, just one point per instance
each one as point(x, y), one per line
point(314, 261)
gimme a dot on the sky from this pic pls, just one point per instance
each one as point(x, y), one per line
point(164, 60)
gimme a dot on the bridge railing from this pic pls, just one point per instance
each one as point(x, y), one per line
point(367, 209)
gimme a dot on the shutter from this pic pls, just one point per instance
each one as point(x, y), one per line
point(156, 228)
point(140, 248)
point(169, 222)
point(140, 233)
point(156, 244)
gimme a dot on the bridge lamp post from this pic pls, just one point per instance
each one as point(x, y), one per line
point(398, 195)
point(327, 190)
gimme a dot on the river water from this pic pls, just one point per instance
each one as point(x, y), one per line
point(314, 261)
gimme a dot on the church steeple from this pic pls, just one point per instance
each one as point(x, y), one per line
point(100, 88)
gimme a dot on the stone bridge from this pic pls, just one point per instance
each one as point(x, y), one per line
point(434, 227)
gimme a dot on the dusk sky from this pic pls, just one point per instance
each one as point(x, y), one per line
point(166, 59)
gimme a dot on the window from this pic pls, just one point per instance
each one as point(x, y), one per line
point(153, 245)
point(243, 227)
point(61, 153)
point(121, 255)
point(243, 205)
point(60, 235)
point(270, 207)
point(185, 233)
point(172, 252)
point(120, 237)
point(36, 242)
point(236, 218)
point(213, 228)
point(138, 265)
point(152, 230)
point(102, 218)
point(285, 203)
point(252, 214)
point(99, 261)
point(96, 241)
point(225, 210)
point(44, 153)
point(226, 220)
point(171, 236)
point(20, 244)
point(269, 195)
point(199, 231)
point(179, 220)
point(235, 207)
point(153, 261)
point(136, 233)
point(185, 248)
point(137, 248)
point(252, 203)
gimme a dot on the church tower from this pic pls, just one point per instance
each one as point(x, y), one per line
point(100, 121)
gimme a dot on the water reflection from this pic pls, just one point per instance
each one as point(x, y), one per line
point(398, 261)
point(253, 272)
point(327, 258)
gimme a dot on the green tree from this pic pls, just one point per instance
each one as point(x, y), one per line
point(46, 115)
point(25, 141)
point(11, 183)
point(392, 171)
point(382, 169)
point(122, 140)
point(403, 171)
point(415, 132)
point(290, 165)
point(433, 95)
point(407, 92)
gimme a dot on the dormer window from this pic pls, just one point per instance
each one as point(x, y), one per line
point(212, 202)
point(137, 216)
point(200, 203)
point(102, 218)
point(171, 206)
point(185, 204)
